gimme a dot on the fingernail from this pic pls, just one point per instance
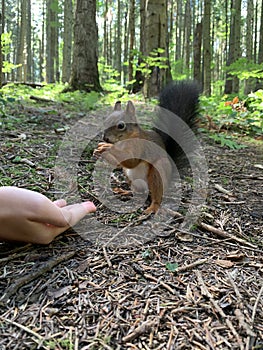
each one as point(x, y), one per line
point(89, 206)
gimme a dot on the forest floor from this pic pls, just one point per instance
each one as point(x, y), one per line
point(174, 290)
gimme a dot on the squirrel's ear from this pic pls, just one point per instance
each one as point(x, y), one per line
point(130, 109)
point(117, 106)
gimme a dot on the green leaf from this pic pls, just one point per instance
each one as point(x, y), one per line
point(172, 267)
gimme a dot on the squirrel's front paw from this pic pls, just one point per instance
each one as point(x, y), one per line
point(102, 147)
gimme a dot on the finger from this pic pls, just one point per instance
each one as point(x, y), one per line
point(76, 212)
point(60, 203)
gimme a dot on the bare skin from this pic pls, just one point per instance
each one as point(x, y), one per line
point(29, 216)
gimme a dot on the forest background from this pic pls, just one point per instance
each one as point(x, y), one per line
point(93, 45)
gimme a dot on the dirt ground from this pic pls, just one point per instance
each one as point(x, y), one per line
point(175, 290)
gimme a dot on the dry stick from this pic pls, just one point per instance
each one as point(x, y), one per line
point(190, 266)
point(45, 267)
point(24, 328)
point(238, 313)
point(256, 304)
point(164, 285)
point(107, 257)
point(205, 292)
point(143, 328)
point(253, 318)
point(223, 190)
point(225, 234)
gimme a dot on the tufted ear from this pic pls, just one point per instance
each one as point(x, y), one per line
point(130, 109)
point(117, 106)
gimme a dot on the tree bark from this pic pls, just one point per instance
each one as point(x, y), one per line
point(155, 37)
point(21, 43)
point(85, 74)
point(207, 48)
point(67, 40)
point(232, 83)
point(197, 52)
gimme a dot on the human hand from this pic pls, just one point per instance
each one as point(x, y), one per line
point(29, 216)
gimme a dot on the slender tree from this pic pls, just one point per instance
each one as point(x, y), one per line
point(260, 50)
point(249, 85)
point(155, 38)
point(67, 40)
point(21, 44)
point(84, 75)
point(197, 52)
point(118, 47)
point(132, 38)
point(29, 58)
point(234, 51)
point(207, 47)
point(52, 41)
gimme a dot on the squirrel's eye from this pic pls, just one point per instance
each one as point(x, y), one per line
point(121, 125)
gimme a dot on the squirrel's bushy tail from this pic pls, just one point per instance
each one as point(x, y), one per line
point(182, 99)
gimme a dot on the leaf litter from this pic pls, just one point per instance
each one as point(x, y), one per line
point(200, 291)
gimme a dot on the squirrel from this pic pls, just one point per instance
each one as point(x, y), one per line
point(147, 156)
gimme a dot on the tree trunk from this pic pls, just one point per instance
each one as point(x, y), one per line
point(29, 61)
point(179, 17)
point(207, 48)
point(51, 41)
point(197, 52)
point(139, 78)
point(118, 41)
point(67, 40)
point(232, 83)
point(85, 74)
point(21, 43)
point(155, 38)
point(260, 49)
point(187, 36)
point(132, 38)
point(250, 83)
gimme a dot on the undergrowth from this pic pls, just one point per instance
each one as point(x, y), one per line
point(225, 119)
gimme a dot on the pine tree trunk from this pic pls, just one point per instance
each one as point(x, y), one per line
point(29, 62)
point(207, 48)
point(187, 36)
point(155, 37)
point(51, 41)
point(132, 39)
point(119, 41)
point(232, 83)
point(139, 78)
point(21, 43)
point(84, 75)
point(260, 49)
point(197, 52)
point(67, 40)
point(178, 50)
point(250, 83)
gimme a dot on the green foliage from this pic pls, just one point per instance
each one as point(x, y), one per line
point(179, 72)
point(172, 267)
point(6, 44)
point(78, 100)
point(227, 141)
point(245, 117)
point(148, 63)
point(244, 69)
point(110, 82)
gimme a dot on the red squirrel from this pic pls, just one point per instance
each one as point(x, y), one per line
point(146, 156)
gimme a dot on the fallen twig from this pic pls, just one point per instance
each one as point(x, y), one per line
point(143, 328)
point(225, 234)
point(206, 293)
point(45, 267)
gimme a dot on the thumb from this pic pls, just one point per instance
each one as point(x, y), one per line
point(76, 212)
